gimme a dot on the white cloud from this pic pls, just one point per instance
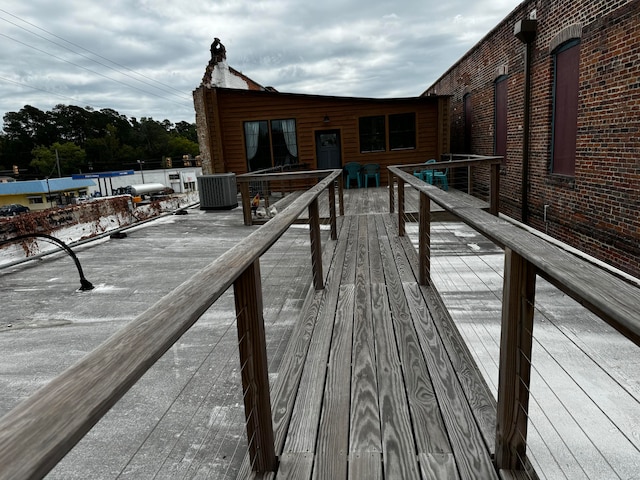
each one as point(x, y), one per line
point(334, 47)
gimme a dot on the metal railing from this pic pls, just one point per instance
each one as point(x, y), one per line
point(39, 432)
point(526, 256)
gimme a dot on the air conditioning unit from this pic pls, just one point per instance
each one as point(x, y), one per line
point(218, 192)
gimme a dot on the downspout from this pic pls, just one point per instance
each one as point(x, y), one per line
point(525, 31)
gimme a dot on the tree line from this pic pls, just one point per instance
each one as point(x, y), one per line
point(83, 140)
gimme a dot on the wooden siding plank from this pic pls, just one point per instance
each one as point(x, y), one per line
point(238, 106)
point(365, 420)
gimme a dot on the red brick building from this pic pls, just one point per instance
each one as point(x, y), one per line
point(579, 178)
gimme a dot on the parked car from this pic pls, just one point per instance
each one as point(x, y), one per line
point(13, 209)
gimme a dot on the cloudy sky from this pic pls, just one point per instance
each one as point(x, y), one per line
point(143, 58)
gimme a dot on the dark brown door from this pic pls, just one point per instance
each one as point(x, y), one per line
point(328, 149)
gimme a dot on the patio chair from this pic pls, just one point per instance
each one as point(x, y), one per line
point(440, 177)
point(371, 170)
point(352, 169)
point(425, 175)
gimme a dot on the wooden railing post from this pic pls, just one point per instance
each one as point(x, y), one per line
point(341, 195)
point(332, 211)
point(424, 239)
point(515, 361)
point(253, 363)
point(401, 229)
point(316, 246)
point(494, 206)
point(246, 202)
point(392, 200)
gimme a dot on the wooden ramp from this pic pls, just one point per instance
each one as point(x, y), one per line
point(376, 382)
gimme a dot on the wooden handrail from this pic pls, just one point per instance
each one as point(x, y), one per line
point(470, 161)
point(614, 300)
point(38, 432)
point(245, 179)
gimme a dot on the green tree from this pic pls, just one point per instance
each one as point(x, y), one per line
point(186, 130)
point(111, 140)
point(179, 146)
point(71, 157)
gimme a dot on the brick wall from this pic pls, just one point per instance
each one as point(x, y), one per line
point(596, 210)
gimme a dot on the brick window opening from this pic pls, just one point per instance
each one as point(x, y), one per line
point(500, 113)
point(565, 108)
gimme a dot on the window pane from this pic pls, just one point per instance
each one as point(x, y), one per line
point(402, 131)
point(565, 110)
point(257, 145)
point(285, 143)
point(372, 133)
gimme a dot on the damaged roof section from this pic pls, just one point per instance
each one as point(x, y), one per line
point(218, 73)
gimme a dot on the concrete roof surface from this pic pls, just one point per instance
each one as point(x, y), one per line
point(185, 418)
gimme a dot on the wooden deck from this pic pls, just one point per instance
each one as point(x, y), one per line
point(376, 382)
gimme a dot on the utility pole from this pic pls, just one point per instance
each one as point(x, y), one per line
point(58, 163)
point(141, 162)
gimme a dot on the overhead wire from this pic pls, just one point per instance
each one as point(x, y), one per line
point(156, 84)
point(86, 68)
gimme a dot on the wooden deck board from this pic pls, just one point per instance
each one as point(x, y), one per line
point(476, 390)
point(302, 434)
point(365, 421)
point(377, 396)
point(472, 458)
point(430, 433)
point(333, 434)
point(398, 446)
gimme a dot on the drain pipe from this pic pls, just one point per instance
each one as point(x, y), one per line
point(525, 31)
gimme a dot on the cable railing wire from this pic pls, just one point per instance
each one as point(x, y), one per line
point(539, 312)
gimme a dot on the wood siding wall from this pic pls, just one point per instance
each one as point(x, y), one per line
point(227, 110)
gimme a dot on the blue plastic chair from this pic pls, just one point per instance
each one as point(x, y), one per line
point(371, 170)
point(440, 178)
point(425, 175)
point(352, 169)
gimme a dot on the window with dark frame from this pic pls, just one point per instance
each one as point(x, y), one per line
point(284, 141)
point(402, 131)
point(269, 144)
point(565, 108)
point(468, 122)
point(500, 114)
point(372, 134)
